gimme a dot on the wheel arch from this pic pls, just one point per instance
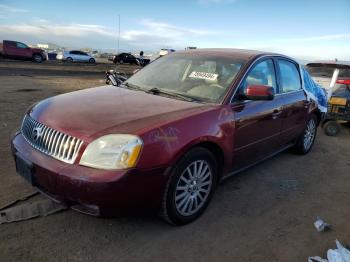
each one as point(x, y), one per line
point(212, 147)
point(319, 115)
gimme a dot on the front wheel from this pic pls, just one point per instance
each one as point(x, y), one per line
point(307, 139)
point(190, 187)
point(92, 61)
point(37, 58)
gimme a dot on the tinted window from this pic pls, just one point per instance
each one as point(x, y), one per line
point(290, 77)
point(74, 52)
point(21, 45)
point(262, 73)
point(82, 53)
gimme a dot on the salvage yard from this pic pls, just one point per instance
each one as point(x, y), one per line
point(263, 214)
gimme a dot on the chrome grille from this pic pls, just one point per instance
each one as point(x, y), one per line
point(50, 141)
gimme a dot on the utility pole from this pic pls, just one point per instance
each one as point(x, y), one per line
point(118, 34)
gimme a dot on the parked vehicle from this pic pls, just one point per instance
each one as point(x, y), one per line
point(335, 77)
point(125, 58)
point(75, 56)
point(18, 50)
point(168, 134)
point(165, 51)
point(130, 59)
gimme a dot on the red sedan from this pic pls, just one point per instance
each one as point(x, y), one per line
point(164, 138)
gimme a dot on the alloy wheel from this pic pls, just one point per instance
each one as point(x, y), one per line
point(309, 134)
point(193, 187)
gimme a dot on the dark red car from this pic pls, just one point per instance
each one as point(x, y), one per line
point(168, 135)
point(18, 50)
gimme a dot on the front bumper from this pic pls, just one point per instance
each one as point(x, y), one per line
point(93, 191)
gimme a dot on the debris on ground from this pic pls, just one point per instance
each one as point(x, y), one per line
point(321, 225)
point(38, 208)
point(340, 254)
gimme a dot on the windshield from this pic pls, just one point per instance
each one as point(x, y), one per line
point(205, 78)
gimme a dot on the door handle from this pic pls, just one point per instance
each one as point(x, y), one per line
point(276, 113)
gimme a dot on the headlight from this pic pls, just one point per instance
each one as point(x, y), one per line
point(112, 152)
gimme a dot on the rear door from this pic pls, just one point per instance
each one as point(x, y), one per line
point(9, 48)
point(295, 106)
point(257, 123)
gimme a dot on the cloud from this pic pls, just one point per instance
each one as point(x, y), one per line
point(316, 38)
point(6, 11)
point(48, 30)
point(10, 9)
point(150, 34)
point(160, 33)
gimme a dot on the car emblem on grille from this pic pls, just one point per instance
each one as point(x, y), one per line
point(37, 133)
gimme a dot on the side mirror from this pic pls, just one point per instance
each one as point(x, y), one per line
point(259, 92)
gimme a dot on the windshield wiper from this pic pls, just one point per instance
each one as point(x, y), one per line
point(132, 86)
point(157, 91)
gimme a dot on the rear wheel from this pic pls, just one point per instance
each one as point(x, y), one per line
point(331, 128)
point(190, 187)
point(37, 58)
point(307, 139)
point(121, 62)
point(92, 61)
point(69, 59)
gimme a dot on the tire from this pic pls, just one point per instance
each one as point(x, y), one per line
point(305, 142)
point(92, 61)
point(185, 197)
point(69, 60)
point(37, 58)
point(331, 128)
point(121, 62)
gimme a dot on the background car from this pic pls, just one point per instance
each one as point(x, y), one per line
point(125, 58)
point(165, 51)
point(75, 56)
point(18, 50)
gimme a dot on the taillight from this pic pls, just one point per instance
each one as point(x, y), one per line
point(343, 81)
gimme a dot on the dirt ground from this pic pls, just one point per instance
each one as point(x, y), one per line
point(263, 214)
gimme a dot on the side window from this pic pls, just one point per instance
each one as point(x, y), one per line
point(73, 52)
point(290, 77)
point(21, 45)
point(262, 73)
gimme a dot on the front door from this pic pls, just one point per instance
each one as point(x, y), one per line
point(257, 123)
point(22, 50)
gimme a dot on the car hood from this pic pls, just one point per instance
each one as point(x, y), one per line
point(93, 112)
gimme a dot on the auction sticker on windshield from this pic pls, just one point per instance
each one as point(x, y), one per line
point(204, 75)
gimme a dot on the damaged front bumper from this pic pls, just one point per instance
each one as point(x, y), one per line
point(88, 190)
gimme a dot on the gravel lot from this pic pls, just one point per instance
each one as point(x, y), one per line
point(263, 214)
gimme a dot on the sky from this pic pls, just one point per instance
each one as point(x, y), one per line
point(305, 29)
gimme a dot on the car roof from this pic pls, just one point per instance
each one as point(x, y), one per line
point(244, 54)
